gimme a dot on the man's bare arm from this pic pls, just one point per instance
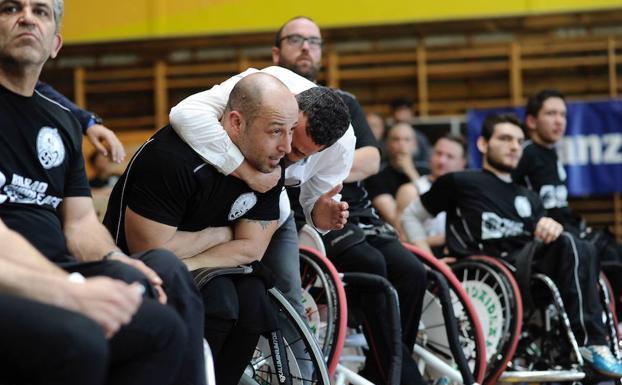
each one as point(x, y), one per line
point(26, 273)
point(365, 164)
point(87, 239)
point(251, 239)
point(143, 234)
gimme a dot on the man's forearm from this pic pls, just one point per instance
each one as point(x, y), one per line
point(38, 285)
point(15, 249)
point(187, 244)
point(233, 253)
point(88, 239)
point(366, 163)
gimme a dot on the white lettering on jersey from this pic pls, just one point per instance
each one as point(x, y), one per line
point(50, 148)
point(561, 171)
point(554, 196)
point(523, 207)
point(2, 182)
point(26, 191)
point(580, 150)
point(241, 205)
point(495, 227)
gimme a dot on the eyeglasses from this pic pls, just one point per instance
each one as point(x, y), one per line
point(299, 40)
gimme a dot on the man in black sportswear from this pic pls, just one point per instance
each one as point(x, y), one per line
point(488, 213)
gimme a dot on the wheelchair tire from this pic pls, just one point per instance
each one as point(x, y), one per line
point(324, 300)
point(495, 294)
point(302, 363)
point(433, 337)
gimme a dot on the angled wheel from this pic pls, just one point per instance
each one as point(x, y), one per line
point(496, 297)
point(433, 336)
point(289, 355)
point(324, 300)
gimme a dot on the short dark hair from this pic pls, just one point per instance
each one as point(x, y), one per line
point(400, 102)
point(488, 127)
point(277, 37)
point(327, 115)
point(458, 139)
point(535, 102)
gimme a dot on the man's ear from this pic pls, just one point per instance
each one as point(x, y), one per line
point(276, 51)
point(58, 43)
point(530, 122)
point(482, 145)
point(237, 122)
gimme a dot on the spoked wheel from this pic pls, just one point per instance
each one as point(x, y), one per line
point(496, 297)
point(289, 355)
point(433, 337)
point(325, 304)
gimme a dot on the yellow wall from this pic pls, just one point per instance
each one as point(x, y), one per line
point(104, 20)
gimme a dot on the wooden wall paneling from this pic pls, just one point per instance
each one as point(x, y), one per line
point(516, 81)
point(422, 81)
point(613, 76)
point(333, 75)
point(79, 89)
point(160, 94)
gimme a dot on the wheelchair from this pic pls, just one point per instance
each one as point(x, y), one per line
point(289, 355)
point(454, 350)
point(534, 344)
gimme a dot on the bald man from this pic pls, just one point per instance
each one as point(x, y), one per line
point(170, 198)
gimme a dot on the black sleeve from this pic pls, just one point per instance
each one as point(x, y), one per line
point(523, 170)
point(376, 185)
point(76, 182)
point(83, 116)
point(441, 196)
point(362, 131)
point(538, 207)
point(161, 186)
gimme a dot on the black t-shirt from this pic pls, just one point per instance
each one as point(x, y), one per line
point(541, 171)
point(387, 181)
point(169, 183)
point(484, 213)
point(355, 193)
point(40, 164)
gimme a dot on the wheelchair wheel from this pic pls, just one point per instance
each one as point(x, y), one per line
point(496, 297)
point(289, 355)
point(325, 304)
point(432, 334)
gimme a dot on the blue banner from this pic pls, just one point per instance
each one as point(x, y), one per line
point(591, 150)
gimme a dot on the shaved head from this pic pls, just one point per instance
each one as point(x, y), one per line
point(259, 118)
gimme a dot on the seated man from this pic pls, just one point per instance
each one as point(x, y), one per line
point(44, 195)
point(61, 336)
point(398, 170)
point(187, 206)
point(321, 157)
point(448, 155)
point(488, 213)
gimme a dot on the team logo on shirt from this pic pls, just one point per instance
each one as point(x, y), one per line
point(495, 227)
point(554, 196)
point(241, 205)
point(523, 207)
point(50, 148)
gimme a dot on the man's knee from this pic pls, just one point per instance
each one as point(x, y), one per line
point(365, 259)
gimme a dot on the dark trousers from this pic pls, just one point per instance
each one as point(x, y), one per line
point(43, 344)
point(574, 267)
point(385, 256)
point(183, 296)
point(237, 311)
